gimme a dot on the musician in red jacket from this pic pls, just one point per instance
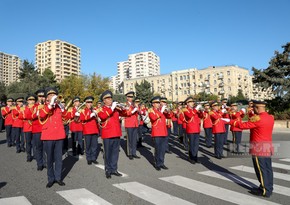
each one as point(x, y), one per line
point(39, 155)
point(25, 115)
point(7, 115)
point(168, 115)
point(207, 125)
point(159, 132)
point(111, 132)
point(234, 114)
point(180, 122)
point(131, 125)
point(17, 126)
point(250, 109)
point(192, 115)
point(218, 129)
point(261, 148)
point(225, 109)
point(76, 128)
point(53, 134)
point(90, 130)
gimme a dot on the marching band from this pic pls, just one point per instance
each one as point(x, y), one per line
point(44, 121)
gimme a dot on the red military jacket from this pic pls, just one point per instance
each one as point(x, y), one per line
point(158, 122)
point(25, 115)
point(110, 122)
point(132, 119)
point(142, 113)
point(7, 115)
point(182, 119)
point(236, 116)
point(207, 123)
point(90, 125)
point(36, 125)
point(174, 116)
point(218, 125)
point(52, 128)
point(261, 128)
point(75, 124)
point(192, 117)
point(250, 112)
point(15, 115)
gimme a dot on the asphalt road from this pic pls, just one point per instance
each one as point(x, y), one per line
point(211, 182)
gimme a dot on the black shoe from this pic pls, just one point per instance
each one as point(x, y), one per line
point(9, 145)
point(135, 156)
point(116, 173)
point(197, 161)
point(18, 151)
point(164, 167)
point(49, 184)
point(29, 159)
point(95, 162)
point(74, 154)
point(108, 175)
point(130, 157)
point(191, 161)
point(218, 157)
point(89, 162)
point(13, 144)
point(22, 150)
point(158, 168)
point(60, 183)
point(224, 156)
point(168, 152)
point(39, 168)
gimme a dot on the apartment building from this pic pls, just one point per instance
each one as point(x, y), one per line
point(224, 81)
point(9, 68)
point(63, 58)
point(138, 65)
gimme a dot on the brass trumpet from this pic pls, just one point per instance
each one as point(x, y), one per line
point(122, 106)
point(58, 102)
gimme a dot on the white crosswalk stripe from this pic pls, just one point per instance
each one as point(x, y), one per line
point(285, 160)
point(216, 191)
point(149, 194)
point(245, 181)
point(82, 197)
point(282, 166)
point(103, 168)
point(18, 200)
point(277, 175)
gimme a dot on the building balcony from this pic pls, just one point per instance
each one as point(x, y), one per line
point(221, 92)
point(220, 77)
point(221, 85)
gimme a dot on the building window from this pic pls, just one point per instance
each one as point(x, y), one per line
point(185, 92)
point(176, 93)
point(230, 88)
point(188, 92)
point(175, 78)
point(200, 76)
point(229, 80)
point(214, 82)
point(181, 77)
point(229, 72)
point(193, 76)
point(215, 90)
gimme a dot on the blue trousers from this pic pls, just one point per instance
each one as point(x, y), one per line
point(159, 153)
point(167, 139)
point(18, 137)
point(132, 135)
point(237, 138)
point(53, 150)
point(193, 139)
point(91, 146)
point(77, 137)
point(226, 133)
point(264, 173)
point(180, 131)
point(28, 139)
point(185, 140)
point(40, 155)
point(65, 141)
point(9, 134)
point(208, 136)
point(111, 153)
point(218, 144)
point(175, 128)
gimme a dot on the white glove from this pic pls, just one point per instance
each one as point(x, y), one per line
point(52, 100)
point(77, 114)
point(226, 119)
point(37, 112)
point(243, 110)
point(163, 108)
point(114, 104)
point(224, 110)
point(134, 110)
point(198, 107)
point(92, 115)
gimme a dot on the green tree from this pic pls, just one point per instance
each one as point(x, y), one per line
point(2, 88)
point(238, 98)
point(72, 86)
point(27, 71)
point(143, 91)
point(204, 96)
point(47, 79)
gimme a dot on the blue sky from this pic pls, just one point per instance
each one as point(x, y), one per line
point(183, 33)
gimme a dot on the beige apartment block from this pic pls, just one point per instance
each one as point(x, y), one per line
point(224, 81)
point(138, 65)
point(9, 68)
point(63, 58)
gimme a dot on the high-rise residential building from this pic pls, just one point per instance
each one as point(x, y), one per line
point(62, 58)
point(113, 82)
point(138, 65)
point(224, 81)
point(9, 68)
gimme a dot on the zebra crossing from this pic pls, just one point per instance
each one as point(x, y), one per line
point(144, 192)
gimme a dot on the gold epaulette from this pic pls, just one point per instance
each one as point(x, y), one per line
point(70, 109)
point(22, 108)
point(211, 113)
point(100, 109)
point(150, 110)
point(2, 108)
point(255, 118)
point(39, 107)
point(184, 109)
